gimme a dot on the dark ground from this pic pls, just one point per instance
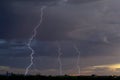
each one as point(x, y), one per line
point(39, 77)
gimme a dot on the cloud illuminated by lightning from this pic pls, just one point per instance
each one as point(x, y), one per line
point(105, 39)
point(31, 39)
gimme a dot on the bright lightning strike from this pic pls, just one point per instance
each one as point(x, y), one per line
point(59, 58)
point(78, 58)
point(31, 39)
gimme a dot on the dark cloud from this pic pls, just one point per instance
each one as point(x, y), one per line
point(57, 1)
point(18, 16)
point(95, 33)
point(81, 1)
point(59, 24)
point(49, 49)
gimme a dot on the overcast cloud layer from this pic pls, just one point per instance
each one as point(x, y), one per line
point(93, 25)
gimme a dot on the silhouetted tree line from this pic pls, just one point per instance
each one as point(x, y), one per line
point(11, 76)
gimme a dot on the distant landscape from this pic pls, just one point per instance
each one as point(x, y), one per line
point(65, 77)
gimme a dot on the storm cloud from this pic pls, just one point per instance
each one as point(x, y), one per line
point(88, 26)
point(92, 25)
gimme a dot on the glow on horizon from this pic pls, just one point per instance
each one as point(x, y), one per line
point(112, 67)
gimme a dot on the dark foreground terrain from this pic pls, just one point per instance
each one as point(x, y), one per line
point(39, 77)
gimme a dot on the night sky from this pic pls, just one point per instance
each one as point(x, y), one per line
point(92, 25)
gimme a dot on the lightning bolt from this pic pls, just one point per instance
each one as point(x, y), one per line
point(31, 39)
point(59, 58)
point(78, 58)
